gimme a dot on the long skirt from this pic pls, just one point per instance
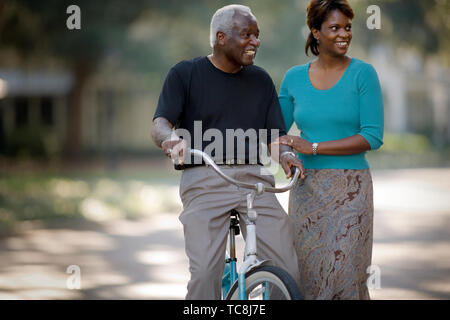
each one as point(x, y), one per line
point(332, 211)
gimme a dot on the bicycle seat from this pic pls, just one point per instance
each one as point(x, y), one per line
point(234, 213)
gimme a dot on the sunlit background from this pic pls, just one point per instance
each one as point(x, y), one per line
point(81, 182)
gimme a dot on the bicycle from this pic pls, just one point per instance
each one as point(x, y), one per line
point(256, 279)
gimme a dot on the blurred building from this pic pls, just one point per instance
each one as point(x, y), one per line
point(116, 114)
point(416, 94)
point(117, 108)
point(33, 110)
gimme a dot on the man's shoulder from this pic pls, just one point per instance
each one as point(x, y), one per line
point(187, 65)
point(259, 72)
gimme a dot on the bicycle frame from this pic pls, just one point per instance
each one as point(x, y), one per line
point(250, 256)
point(230, 272)
point(251, 260)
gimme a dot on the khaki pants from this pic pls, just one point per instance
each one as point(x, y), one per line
point(207, 198)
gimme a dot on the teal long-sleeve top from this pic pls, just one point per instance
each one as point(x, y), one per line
point(354, 105)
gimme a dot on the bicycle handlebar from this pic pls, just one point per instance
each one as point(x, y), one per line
point(259, 187)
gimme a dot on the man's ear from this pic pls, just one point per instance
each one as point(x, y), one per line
point(221, 38)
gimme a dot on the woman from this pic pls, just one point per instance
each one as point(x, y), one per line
point(336, 103)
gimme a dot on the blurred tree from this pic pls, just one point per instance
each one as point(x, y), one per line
point(38, 28)
point(423, 25)
point(163, 37)
point(145, 36)
point(2, 5)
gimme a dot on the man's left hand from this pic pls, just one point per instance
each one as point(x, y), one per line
point(287, 161)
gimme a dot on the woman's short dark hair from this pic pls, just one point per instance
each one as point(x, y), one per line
point(317, 12)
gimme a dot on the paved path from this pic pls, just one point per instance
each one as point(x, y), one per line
point(145, 259)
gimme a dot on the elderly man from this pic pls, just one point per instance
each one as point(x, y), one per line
point(224, 91)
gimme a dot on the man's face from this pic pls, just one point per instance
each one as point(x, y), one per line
point(241, 45)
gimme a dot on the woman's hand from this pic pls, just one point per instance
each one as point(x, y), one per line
point(297, 143)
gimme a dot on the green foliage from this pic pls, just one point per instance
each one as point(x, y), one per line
point(88, 196)
point(41, 26)
point(407, 150)
point(26, 142)
point(422, 25)
point(151, 36)
point(29, 142)
point(406, 142)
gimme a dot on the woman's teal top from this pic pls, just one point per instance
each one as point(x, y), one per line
point(354, 105)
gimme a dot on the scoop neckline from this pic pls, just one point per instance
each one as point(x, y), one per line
point(334, 85)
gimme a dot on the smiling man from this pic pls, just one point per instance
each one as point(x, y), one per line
point(224, 91)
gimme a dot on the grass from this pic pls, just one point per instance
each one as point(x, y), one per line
point(83, 194)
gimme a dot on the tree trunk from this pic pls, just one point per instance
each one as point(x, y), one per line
point(74, 135)
point(2, 5)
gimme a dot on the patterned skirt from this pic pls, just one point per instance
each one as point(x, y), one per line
point(332, 211)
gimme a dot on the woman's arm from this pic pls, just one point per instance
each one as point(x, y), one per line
point(286, 103)
point(350, 145)
point(371, 113)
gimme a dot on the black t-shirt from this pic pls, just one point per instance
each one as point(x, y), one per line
point(235, 110)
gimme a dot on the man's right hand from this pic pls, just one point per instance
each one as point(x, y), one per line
point(175, 149)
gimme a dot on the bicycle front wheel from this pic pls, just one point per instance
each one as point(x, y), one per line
point(267, 283)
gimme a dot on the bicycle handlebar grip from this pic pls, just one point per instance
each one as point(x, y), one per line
point(293, 169)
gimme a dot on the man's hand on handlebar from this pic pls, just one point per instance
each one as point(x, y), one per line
point(285, 156)
point(288, 161)
point(175, 149)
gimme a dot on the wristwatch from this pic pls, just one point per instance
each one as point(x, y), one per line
point(314, 148)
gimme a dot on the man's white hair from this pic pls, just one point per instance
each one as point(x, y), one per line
point(222, 20)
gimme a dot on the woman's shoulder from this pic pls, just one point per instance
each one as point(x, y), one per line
point(360, 65)
point(296, 71)
point(364, 74)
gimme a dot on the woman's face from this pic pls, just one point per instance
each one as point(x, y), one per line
point(335, 34)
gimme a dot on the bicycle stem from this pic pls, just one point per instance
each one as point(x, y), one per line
point(252, 215)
